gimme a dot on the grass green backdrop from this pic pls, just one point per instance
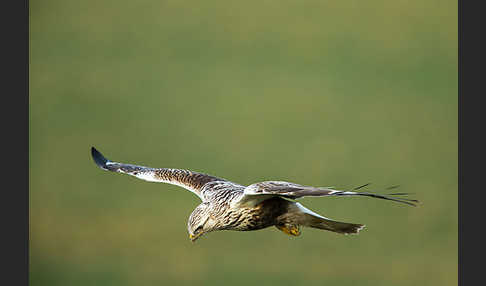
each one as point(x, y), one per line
point(323, 93)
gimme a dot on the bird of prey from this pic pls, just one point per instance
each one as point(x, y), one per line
point(230, 206)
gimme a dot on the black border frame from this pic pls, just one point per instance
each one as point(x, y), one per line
point(15, 201)
point(15, 115)
point(470, 76)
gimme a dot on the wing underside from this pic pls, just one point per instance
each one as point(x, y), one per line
point(192, 181)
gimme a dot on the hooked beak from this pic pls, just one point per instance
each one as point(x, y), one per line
point(194, 237)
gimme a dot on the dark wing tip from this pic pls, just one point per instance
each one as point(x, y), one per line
point(99, 159)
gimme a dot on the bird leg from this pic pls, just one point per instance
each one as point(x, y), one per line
point(290, 229)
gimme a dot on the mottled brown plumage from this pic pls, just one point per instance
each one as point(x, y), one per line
point(230, 206)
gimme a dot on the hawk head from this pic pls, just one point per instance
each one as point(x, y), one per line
point(200, 221)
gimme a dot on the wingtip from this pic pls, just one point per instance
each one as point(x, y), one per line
point(98, 158)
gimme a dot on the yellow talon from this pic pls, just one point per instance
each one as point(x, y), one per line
point(289, 229)
point(294, 231)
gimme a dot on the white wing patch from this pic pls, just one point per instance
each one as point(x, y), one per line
point(150, 177)
point(308, 211)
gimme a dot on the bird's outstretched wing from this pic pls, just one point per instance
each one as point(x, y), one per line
point(192, 181)
point(255, 193)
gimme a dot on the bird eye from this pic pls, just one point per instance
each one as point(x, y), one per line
point(198, 229)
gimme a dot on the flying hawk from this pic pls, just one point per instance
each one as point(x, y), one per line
point(230, 206)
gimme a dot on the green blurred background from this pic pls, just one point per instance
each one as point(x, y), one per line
point(323, 93)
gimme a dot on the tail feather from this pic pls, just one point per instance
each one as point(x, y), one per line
point(334, 226)
point(300, 215)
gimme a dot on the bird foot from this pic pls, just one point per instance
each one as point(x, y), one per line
point(289, 229)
